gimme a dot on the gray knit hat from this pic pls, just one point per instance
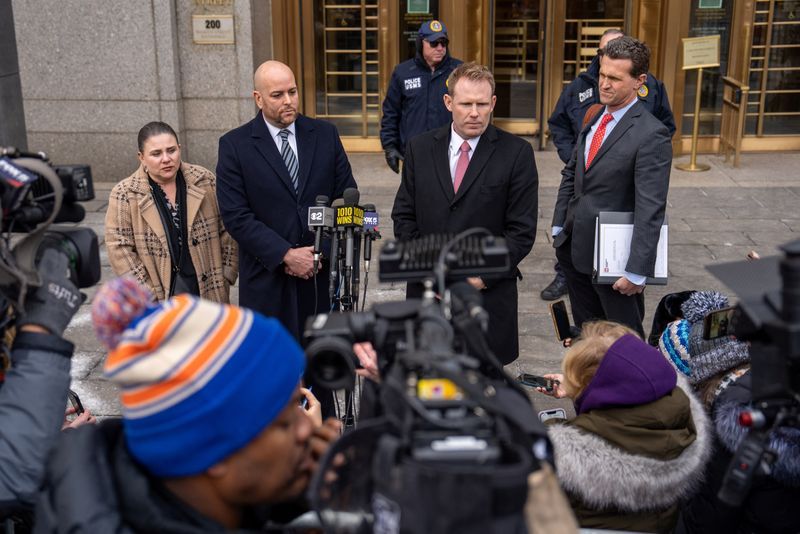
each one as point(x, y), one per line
point(682, 343)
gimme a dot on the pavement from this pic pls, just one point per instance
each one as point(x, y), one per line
point(714, 216)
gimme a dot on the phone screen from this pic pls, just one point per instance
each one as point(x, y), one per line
point(558, 311)
point(718, 323)
point(536, 381)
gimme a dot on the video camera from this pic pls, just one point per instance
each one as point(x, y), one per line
point(448, 420)
point(33, 195)
point(768, 317)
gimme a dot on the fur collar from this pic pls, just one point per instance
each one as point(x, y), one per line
point(785, 441)
point(602, 475)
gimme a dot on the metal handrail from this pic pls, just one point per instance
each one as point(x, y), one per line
point(734, 108)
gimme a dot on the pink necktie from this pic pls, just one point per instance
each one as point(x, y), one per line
point(597, 140)
point(461, 166)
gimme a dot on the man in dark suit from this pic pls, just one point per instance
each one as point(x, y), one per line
point(269, 172)
point(621, 163)
point(447, 189)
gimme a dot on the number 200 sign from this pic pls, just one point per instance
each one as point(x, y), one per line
point(212, 29)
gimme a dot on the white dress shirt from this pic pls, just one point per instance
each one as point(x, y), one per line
point(454, 150)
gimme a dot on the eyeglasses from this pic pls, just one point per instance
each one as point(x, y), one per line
point(439, 42)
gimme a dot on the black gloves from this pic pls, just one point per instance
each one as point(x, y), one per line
point(393, 159)
point(52, 304)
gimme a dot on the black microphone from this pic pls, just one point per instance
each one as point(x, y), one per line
point(333, 273)
point(320, 217)
point(350, 216)
point(371, 232)
point(466, 298)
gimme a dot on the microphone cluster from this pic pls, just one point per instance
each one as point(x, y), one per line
point(347, 224)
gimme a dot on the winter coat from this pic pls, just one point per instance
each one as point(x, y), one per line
point(93, 484)
point(637, 446)
point(414, 101)
point(137, 241)
point(32, 401)
point(772, 503)
point(566, 122)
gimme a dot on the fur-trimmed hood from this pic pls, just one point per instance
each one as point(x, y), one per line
point(602, 475)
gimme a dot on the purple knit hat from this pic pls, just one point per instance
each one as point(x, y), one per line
point(631, 373)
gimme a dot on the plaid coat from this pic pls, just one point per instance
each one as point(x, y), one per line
point(137, 242)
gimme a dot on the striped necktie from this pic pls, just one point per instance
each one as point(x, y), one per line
point(289, 158)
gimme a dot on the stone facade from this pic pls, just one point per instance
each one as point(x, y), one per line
point(93, 73)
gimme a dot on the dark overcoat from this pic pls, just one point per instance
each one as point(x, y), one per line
point(499, 192)
point(266, 217)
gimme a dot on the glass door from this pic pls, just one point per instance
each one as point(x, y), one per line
point(346, 65)
point(516, 64)
point(773, 107)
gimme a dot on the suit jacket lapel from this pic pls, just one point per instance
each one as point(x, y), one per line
point(580, 160)
point(441, 139)
point(478, 161)
point(306, 142)
point(265, 146)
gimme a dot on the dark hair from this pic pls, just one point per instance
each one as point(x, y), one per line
point(629, 48)
point(471, 71)
point(154, 128)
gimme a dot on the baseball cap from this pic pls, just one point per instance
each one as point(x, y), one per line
point(432, 30)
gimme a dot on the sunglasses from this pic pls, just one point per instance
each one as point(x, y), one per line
point(439, 42)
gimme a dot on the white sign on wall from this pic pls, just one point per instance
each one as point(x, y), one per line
point(212, 29)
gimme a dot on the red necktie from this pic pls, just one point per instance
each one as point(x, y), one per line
point(461, 166)
point(597, 140)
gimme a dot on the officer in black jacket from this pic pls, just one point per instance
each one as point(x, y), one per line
point(414, 101)
point(567, 120)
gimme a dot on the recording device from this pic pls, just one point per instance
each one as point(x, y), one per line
point(371, 232)
point(450, 415)
point(717, 322)
point(75, 401)
point(768, 317)
point(33, 195)
point(536, 381)
point(333, 273)
point(555, 413)
point(558, 312)
point(320, 218)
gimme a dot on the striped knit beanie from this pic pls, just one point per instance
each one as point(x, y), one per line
point(682, 342)
point(199, 380)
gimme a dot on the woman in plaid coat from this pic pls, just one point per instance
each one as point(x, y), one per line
point(161, 207)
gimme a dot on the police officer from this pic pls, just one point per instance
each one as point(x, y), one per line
point(414, 102)
point(566, 123)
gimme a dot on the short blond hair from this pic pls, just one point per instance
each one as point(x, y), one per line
point(472, 71)
point(584, 356)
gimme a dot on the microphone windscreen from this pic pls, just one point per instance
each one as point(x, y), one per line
point(351, 196)
point(321, 200)
point(369, 207)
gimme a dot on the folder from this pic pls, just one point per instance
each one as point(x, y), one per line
point(612, 247)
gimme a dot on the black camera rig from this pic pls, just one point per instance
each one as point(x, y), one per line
point(33, 195)
point(768, 317)
point(446, 419)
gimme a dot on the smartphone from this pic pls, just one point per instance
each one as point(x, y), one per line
point(558, 311)
point(536, 381)
point(718, 323)
point(75, 401)
point(555, 413)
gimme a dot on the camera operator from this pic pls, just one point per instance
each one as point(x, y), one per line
point(719, 370)
point(34, 393)
point(213, 436)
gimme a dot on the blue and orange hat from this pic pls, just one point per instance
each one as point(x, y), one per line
point(432, 30)
point(199, 380)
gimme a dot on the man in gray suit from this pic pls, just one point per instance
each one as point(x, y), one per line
point(621, 163)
